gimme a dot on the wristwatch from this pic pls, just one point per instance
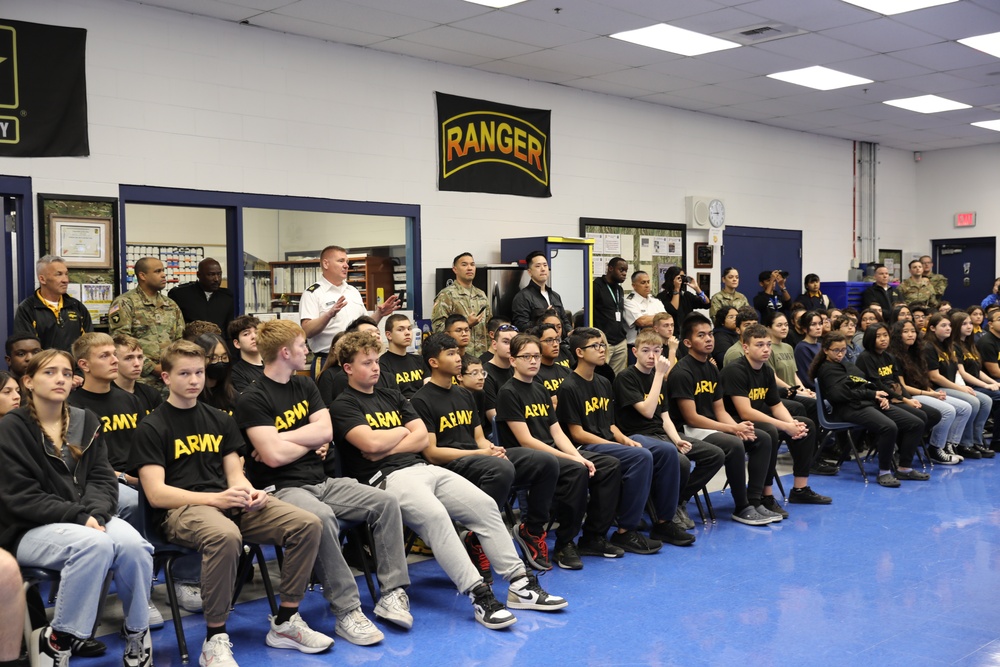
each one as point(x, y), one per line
point(122, 479)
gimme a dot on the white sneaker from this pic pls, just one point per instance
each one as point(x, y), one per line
point(294, 633)
point(189, 597)
point(217, 652)
point(155, 617)
point(394, 607)
point(355, 627)
point(138, 650)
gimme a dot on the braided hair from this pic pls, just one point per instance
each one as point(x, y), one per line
point(37, 363)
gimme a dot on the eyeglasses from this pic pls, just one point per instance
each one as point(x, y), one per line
point(529, 357)
point(549, 341)
point(596, 346)
point(219, 359)
point(506, 327)
point(837, 350)
point(476, 374)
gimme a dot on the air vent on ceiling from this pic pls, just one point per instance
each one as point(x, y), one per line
point(758, 34)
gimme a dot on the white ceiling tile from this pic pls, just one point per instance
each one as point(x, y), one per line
point(522, 29)
point(434, 53)
point(759, 85)
point(211, 8)
point(354, 17)
point(617, 51)
point(260, 5)
point(606, 87)
point(811, 15)
point(882, 35)
point(671, 100)
point(986, 75)
point(739, 113)
point(436, 11)
point(591, 17)
point(954, 21)
point(752, 60)
point(945, 56)
point(813, 49)
point(641, 77)
point(722, 20)
point(330, 33)
point(697, 69)
point(526, 72)
point(978, 97)
point(454, 39)
point(718, 96)
point(564, 62)
point(666, 12)
point(935, 83)
point(880, 68)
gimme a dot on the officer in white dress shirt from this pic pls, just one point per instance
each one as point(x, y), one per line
point(641, 305)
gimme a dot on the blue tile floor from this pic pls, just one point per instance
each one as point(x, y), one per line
point(907, 576)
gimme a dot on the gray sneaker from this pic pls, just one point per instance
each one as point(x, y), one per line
point(294, 633)
point(751, 517)
point(768, 514)
point(394, 607)
point(355, 627)
point(155, 617)
point(189, 597)
point(682, 518)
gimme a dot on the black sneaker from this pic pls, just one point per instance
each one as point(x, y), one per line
point(635, 542)
point(599, 546)
point(671, 533)
point(488, 609)
point(568, 558)
point(985, 451)
point(823, 468)
point(807, 496)
point(534, 548)
point(771, 505)
point(44, 652)
point(950, 448)
point(478, 556)
point(968, 452)
point(941, 457)
point(912, 475)
point(682, 518)
point(88, 648)
point(525, 593)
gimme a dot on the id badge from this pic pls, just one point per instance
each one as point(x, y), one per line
point(618, 316)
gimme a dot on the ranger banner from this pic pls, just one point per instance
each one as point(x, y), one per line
point(490, 147)
point(43, 90)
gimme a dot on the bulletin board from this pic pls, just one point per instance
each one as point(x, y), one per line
point(652, 247)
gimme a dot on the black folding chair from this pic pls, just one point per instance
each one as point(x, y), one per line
point(839, 427)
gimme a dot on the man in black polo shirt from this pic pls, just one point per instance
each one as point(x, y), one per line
point(880, 292)
point(248, 368)
point(456, 441)
point(609, 312)
point(407, 370)
point(289, 430)
point(380, 437)
point(640, 408)
point(54, 317)
point(696, 402)
point(751, 393)
point(535, 298)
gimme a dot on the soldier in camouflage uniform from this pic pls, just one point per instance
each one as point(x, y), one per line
point(147, 315)
point(917, 289)
point(938, 282)
point(464, 298)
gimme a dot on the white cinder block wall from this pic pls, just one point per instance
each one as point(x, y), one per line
point(181, 101)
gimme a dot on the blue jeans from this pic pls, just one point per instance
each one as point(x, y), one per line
point(981, 405)
point(955, 414)
point(666, 485)
point(84, 556)
point(637, 477)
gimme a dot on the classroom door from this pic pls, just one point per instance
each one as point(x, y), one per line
point(969, 265)
point(755, 249)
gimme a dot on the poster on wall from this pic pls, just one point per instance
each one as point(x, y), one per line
point(43, 90)
point(491, 147)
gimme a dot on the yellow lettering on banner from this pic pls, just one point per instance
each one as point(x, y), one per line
point(453, 143)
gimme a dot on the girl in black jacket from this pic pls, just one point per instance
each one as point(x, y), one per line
point(58, 498)
point(855, 399)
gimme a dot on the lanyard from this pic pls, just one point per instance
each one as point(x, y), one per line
point(614, 296)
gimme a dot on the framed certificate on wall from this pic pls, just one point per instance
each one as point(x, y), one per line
point(81, 242)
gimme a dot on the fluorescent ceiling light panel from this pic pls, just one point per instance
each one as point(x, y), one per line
point(496, 4)
point(988, 124)
point(675, 40)
point(820, 78)
point(986, 43)
point(890, 7)
point(927, 104)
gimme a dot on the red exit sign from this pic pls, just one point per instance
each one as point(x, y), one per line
point(965, 219)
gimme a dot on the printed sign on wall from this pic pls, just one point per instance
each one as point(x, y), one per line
point(489, 147)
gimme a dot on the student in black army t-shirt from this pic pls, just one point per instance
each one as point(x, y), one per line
point(526, 418)
point(550, 373)
point(498, 368)
point(696, 402)
point(380, 438)
point(248, 368)
point(188, 457)
point(751, 393)
point(407, 370)
point(130, 361)
point(640, 408)
point(586, 413)
point(332, 381)
point(288, 428)
point(456, 441)
point(118, 410)
point(989, 346)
